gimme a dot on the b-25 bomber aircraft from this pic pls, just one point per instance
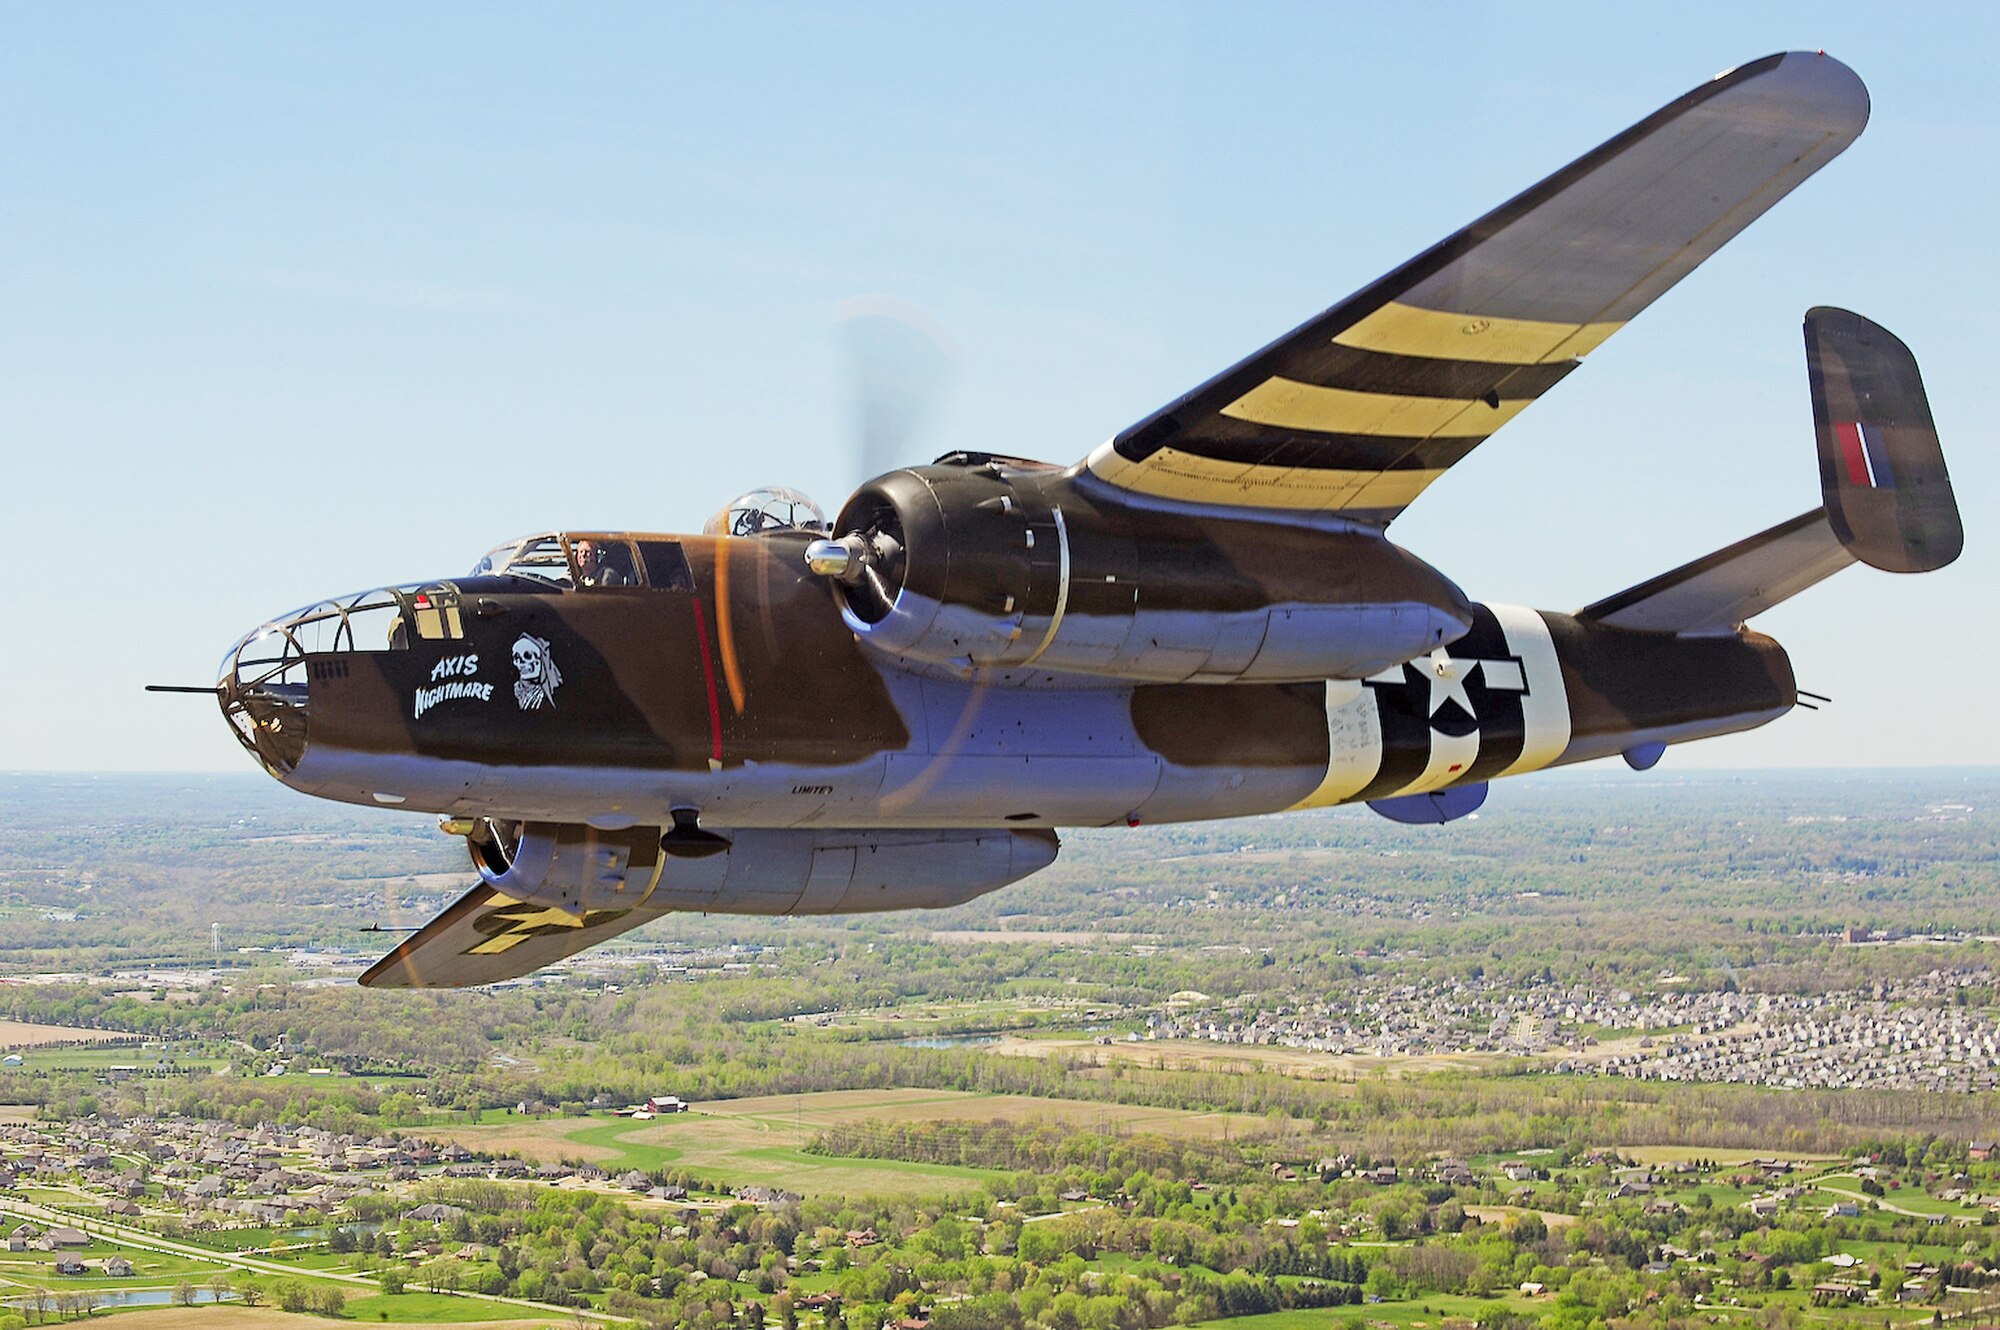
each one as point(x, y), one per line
point(1204, 618)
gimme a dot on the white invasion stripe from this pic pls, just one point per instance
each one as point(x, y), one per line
point(1451, 757)
point(1354, 743)
point(1545, 704)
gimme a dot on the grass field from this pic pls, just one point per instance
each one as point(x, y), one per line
point(1912, 1200)
point(1895, 1253)
point(758, 1140)
point(40, 1267)
point(1720, 1197)
point(430, 1309)
point(99, 1058)
point(1495, 1214)
point(21, 1035)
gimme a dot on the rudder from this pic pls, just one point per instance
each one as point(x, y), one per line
point(1882, 473)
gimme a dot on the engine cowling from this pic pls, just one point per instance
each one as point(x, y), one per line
point(984, 563)
point(777, 871)
point(565, 865)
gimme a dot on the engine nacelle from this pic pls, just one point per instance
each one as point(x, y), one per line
point(779, 871)
point(984, 563)
point(565, 865)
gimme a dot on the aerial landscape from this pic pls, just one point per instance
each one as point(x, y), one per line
point(1715, 1048)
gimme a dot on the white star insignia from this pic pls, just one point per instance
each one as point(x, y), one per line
point(1447, 679)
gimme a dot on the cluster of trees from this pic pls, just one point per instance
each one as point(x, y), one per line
point(1039, 1147)
point(41, 1305)
point(1151, 1250)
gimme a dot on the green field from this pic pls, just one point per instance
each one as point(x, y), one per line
point(1915, 1200)
point(440, 1308)
point(1895, 1253)
point(759, 1140)
point(144, 1061)
point(148, 1266)
point(611, 1135)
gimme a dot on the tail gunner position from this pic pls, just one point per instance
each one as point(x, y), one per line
point(1203, 618)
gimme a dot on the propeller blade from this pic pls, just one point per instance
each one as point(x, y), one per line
point(899, 361)
point(883, 596)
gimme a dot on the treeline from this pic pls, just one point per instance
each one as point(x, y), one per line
point(1037, 1148)
point(1197, 1298)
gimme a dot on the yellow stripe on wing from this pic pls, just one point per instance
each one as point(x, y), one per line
point(1294, 405)
point(1412, 331)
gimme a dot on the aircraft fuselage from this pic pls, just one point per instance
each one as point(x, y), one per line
point(744, 693)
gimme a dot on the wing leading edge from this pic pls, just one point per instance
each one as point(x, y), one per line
point(1359, 409)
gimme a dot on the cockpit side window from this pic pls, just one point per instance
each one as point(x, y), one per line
point(593, 561)
point(604, 561)
point(433, 610)
point(666, 565)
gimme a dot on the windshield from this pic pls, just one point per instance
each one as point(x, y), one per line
point(542, 558)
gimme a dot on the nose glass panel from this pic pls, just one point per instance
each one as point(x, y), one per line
point(266, 678)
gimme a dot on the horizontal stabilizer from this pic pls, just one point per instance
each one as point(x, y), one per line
point(1888, 496)
point(1715, 593)
point(485, 937)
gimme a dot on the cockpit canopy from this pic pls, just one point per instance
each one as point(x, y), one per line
point(762, 511)
point(595, 559)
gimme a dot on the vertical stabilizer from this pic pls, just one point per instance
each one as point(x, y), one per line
point(1888, 496)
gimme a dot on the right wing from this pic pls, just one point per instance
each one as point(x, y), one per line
point(1358, 410)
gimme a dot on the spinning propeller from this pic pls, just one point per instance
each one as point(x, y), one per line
point(900, 362)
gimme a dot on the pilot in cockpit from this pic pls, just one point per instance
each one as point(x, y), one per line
point(592, 568)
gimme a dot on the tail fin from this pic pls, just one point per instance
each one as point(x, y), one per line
point(1888, 499)
point(1881, 470)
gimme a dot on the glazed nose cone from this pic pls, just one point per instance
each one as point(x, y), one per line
point(263, 692)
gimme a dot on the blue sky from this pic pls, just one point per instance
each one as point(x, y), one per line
point(299, 300)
